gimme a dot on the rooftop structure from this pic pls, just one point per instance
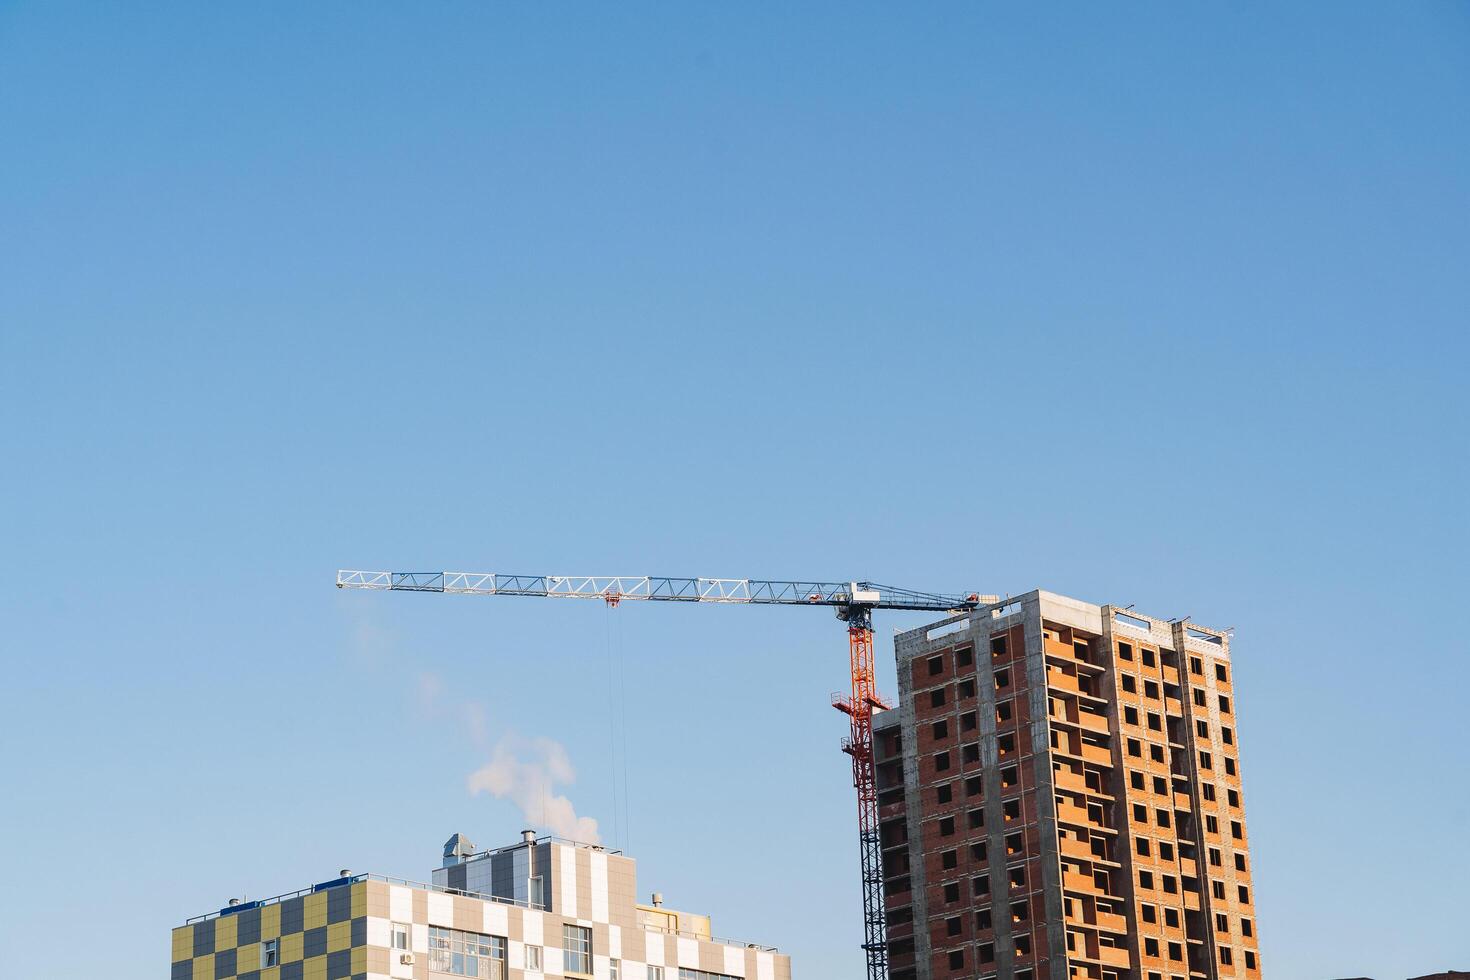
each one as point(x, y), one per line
point(1059, 796)
point(543, 907)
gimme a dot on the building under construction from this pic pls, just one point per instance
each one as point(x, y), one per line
point(540, 907)
point(1059, 796)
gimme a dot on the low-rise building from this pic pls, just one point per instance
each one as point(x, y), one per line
point(539, 908)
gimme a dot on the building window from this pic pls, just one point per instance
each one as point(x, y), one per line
point(1176, 951)
point(966, 690)
point(1148, 658)
point(949, 860)
point(936, 666)
point(614, 969)
point(1150, 947)
point(1151, 690)
point(1225, 957)
point(1128, 684)
point(576, 948)
point(270, 953)
point(952, 893)
point(963, 658)
point(1156, 753)
point(1135, 747)
point(466, 954)
point(946, 827)
point(1199, 696)
point(1224, 705)
point(941, 730)
point(957, 959)
point(944, 793)
point(1130, 715)
point(1229, 766)
point(1141, 845)
point(399, 933)
point(1196, 666)
point(1226, 735)
point(533, 958)
point(1135, 779)
point(538, 892)
point(941, 762)
point(655, 973)
point(1250, 960)
point(1207, 790)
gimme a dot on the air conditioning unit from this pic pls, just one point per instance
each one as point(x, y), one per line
point(406, 959)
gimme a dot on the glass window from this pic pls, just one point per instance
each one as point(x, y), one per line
point(466, 954)
point(685, 974)
point(270, 953)
point(614, 969)
point(655, 973)
point(399, 932)
point(533, 957)
point(576, 947)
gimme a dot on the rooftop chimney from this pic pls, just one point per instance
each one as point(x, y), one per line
point(528, 836)
point(234, 901)
point(658, 899)
point(343, 873)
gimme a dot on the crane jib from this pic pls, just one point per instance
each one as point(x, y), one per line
point(661, 588)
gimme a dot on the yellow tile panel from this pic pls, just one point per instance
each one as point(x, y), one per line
point(247, 957)
point(226, 932)
point(183, 944)
point(315, 969)
point(291, 947)
point(314, 910)
point(359, 899)
point(270, 922)
point(204, 967)
point(359, 960)
point(339, 936)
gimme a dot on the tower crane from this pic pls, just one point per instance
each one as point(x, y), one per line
point(853, 602)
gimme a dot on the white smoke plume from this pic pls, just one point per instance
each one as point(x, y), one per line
point(526, 772)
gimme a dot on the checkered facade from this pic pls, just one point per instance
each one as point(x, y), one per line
point(346, 929)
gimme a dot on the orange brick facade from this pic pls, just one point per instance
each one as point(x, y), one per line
point(1060, 797)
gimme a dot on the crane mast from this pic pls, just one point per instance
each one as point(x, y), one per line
point(853, 603)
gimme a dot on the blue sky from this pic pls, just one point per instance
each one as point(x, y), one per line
point(1154, 305)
